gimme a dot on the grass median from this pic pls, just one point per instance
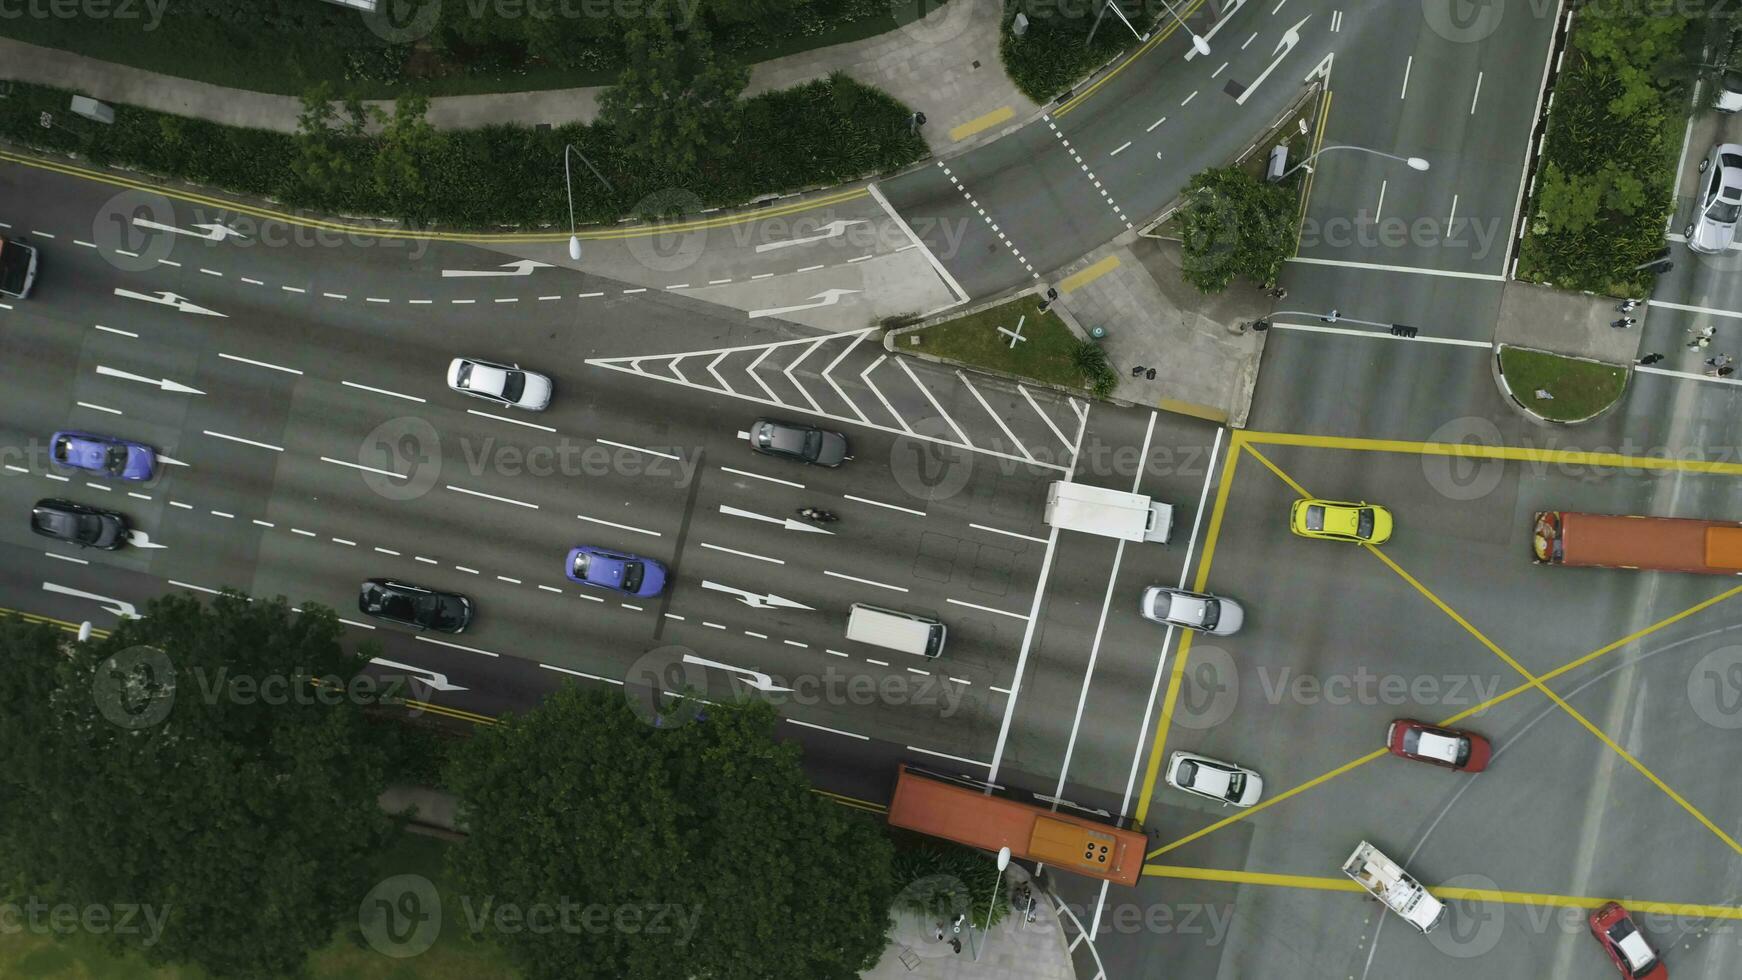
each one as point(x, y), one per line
point(1046, 355)
point(1575, 388)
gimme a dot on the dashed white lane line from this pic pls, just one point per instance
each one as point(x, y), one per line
point(261, 364)
point(383, 391)
point(795, 643)
point(293, 289)
point(836, 653)
point(1013, 534)
point(1154, 124)
point(864, 581)
point(456, 646)
point(620, 527)
point(269, 524)
point(952, 758)
point(375, 299)
point(491, 496)
point(352, 622)
point(916, 670)
point(989, 609)
point(1407, 65)
point(99, 486)
point(715, 626)
point(426, 561)
point(78, 241)
point(508, 299)
point(213, 272)
point(347, 542)
point(306, 534)
point(764, 275)
point(42, 233)
point(674, 616)
point(360, 466)
point(510, 581)
point(718, 282)
point(245, 442)
point(468, 571)
point(582, 673)
point(589, 598)
point(226, 515)
point(969, 197)
point(122, 251)
point(1188, 99)
point(252, 282)
point(462, 302)
point(99, 408)
point(387, 551)
point(759, 636)
point(551, 588)
point(641, 289)
point(177, 503)
point(420, 302)
point(504, 418)
point(879, 503)
point(335, 296)
point(124, 333)
point(1105, 196)
point(1219, 70)
point(1477, 94)
point(196, 588)
point(638, 449)
point(759, 476)
point(743, 554)
point(831, 731)
point(880, 663)
point(809, 268)
point(76, 561)
point(546, 299)
point(587, 295)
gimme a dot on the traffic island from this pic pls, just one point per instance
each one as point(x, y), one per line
point(1015, 339)
point(1556, 387)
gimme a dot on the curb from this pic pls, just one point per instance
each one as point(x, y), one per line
point(1531, 416)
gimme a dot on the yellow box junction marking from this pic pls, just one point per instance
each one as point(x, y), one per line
point(982, 123)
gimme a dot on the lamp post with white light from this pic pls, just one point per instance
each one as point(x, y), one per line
point(1003, 862)
point(1415, 163)
point(1198, 43)
point(575, 239)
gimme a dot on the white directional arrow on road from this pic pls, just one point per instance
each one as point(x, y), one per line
point(164, 383)
point(754, 678)
point(125, 610)
point(523, 267)
point(211, 231)
point(828, 297)
point(1290, 38)
point(754, 601)
point(791, 523)
point(436, 680)
point(827, 231)
point(167, 299)
point(139, 539)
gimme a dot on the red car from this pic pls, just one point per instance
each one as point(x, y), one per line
point(1453, 748)
point(1635, 957)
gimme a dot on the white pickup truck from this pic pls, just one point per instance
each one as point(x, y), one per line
point(1386, 880)
point(17, 268)
point(1112, 513)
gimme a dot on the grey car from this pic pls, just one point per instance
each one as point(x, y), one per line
point(1718, 204)
point(1192, 610)
point(798, 441)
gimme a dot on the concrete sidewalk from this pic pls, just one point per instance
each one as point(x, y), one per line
point(1014, 949)
point(945, 65)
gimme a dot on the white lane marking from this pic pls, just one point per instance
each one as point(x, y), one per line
point(352, 622)
point(963, 436)
point(581, 673)
point(76, 561)
point(224, 514)
point(360, 466)
point(546, 299)
point(1249, 40)
point(1000, 422)
point(491, 496)
point(420, 302)
point(80, 241)
point(56, 476)
point(1154, 124)
point(916, 670)
point(1688, 376)
point(1477, 95)
point(1013, 534)
point(99, 408)
point(1381, 335)
point(510, 581)
point(426, 561)
point(587, 295)
point(790, 368)
point(504, 418)
point(1188, 99)
point(1122, 148)
point(834, 652)
point(213, 272)
point(306, 534)
point(675, 616)
point(589, 598)
point(263, 364)
point(16, 469)
point(865, 376)
point(252, 282)
point(387, 551)
point(456, 646)
point(989, 609)
point(716, 626)
point(865, 581)
point(382, 391)
point(1043, 416)
point(347, 542)
point(335, 296)
point(759, 476)
point(196, 588)
point(551, 588)
point(712, 369)
point(937, 267)
point(124, 333)
point(831, 731)
point(373, 299)
point(1381, 208)
point(141, 496)
point(650, 452)
point(177, 503)
point(508, 299)
point(946, 755)
point(759, 636)
point(1407, 66)
point(751, 370)
point(1376, 267)
point(269, 524)
point(246, 442)
point(880, 663)
point(641, 289)
point(1453, 216)
point(99, 486)
point(164, 384)
point(621, 527)
point(42, 233)
point(828, 374)
point(1708, 310)
point(795, 643)
point(293, 289)
point(742, 554)
point(879, 503)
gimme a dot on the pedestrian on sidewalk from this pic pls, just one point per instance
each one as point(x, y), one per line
point(1651, 359)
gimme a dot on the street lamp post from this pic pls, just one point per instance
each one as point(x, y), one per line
point(1198, 43)
point(1415, 163)
point(1003, 862)
point(568, 185)
point(1201, 46)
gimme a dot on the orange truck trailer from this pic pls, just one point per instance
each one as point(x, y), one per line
point(1665, 544)
point(941, 807)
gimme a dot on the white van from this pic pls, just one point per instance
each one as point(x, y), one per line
point(892, 630)
point(1112, 513)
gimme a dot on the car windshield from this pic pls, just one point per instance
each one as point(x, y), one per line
point(463, 377)
point(115, 459)
point(1724, 213)
point(513, 385)
point(1364, 523)
point(90, 526)
point(1212, 613)
point(1315, 518)
point(633, 572)
point(63, 448)
point(1188, 773)
point(429, 609)
point(582, 561)
point(813, 444)
point(1236, 785)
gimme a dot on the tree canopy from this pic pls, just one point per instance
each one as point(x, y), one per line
point(1233, 224)
point(676, 103)
point(696, 851)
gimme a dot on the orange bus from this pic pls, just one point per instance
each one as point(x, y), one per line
point(940, 807)
point(1666, 544)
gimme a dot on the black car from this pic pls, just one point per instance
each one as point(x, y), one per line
point(87, 527)
point(414, 605)
point(797, 441)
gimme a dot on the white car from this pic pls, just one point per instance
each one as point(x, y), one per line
point(1192, 610)
point(504, 384)
point(1212, 779)
point(1718, 203)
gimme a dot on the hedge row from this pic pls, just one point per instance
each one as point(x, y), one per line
point(825, 132)
point(1055, 51)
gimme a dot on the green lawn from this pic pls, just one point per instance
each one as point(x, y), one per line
point(1044, 356)
point(453, 957)
point(1580, 388)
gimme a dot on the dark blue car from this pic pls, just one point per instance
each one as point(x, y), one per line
point(104, 455)
point(629, 574)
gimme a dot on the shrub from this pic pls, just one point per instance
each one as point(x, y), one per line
point(1234, 224)
point(1089, 358)
point(1055, 52)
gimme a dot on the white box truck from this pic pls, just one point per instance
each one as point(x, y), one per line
point(1386, 880)
point(1111, 513)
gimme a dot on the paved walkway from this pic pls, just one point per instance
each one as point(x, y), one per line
point(945, 65)
point(1015, 950)
point(1564, 322)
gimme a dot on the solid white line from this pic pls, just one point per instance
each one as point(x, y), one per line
point(1000, 422)
point(621, 527)
point(743, 554)
point(1708, 310)
point(1406, 68)
point(1376, 267)
point(1477, 95)
point(124, 333)
point(989, 609)
point(945, 755)
point(1453, 216)
point(808, 351)
point(1043, 416)
point(938, 267)
point(934, 402)
point(491, 496)
point(831, 731)
point(99, 408)
point(249, 442)
point(624, 445)
point(865, 376)
point(581, 673)
point(1688, 376)
point(828, 373)
point(456, 646)
point(196, 588)
point(1548, 62)
point(751, 370)
point(381, 391)
point(352, 622)
point(1013, 534)
point(1380, 335)
point(758, 476)
point(504, 418)
point(245, 360)
point(865, 581)
point(879, 503)
point(360, 466)
point(76, 561)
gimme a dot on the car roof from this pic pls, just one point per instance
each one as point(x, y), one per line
point(1186, 608)
point(1434, 745)
point(1633, 947)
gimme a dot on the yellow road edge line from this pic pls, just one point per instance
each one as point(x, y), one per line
point(30, 617)
point(1450, 893)
point(853, 801)
point(1152, 769)
point(597, 234)
point(1306, 194)
point(1518, 454)
point(457, 713)
point(1077, 280)
point(1159, 36)
point(982, 123)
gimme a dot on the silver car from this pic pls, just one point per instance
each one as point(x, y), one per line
point(1213, 779)
point(504, 384)
point(1192, 610)
point(1718, 204)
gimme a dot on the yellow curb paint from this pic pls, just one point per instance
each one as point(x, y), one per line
point(1306, 193)
point(1078, 280)
point(982, 123)
point(63, 624)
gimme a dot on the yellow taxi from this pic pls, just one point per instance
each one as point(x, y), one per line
point(1339, 520)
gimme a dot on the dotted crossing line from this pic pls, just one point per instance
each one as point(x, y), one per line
point(1017, 252)
point(1090, 173)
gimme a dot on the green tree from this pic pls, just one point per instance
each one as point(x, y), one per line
point(408, 149)
point(1567, 202)
point(676, 103)
point(1233, 224)
point(581, 802)
point(185, 766)
point(328, 163)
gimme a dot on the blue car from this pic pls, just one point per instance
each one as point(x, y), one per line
point(628, 574)
point(104, 455)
